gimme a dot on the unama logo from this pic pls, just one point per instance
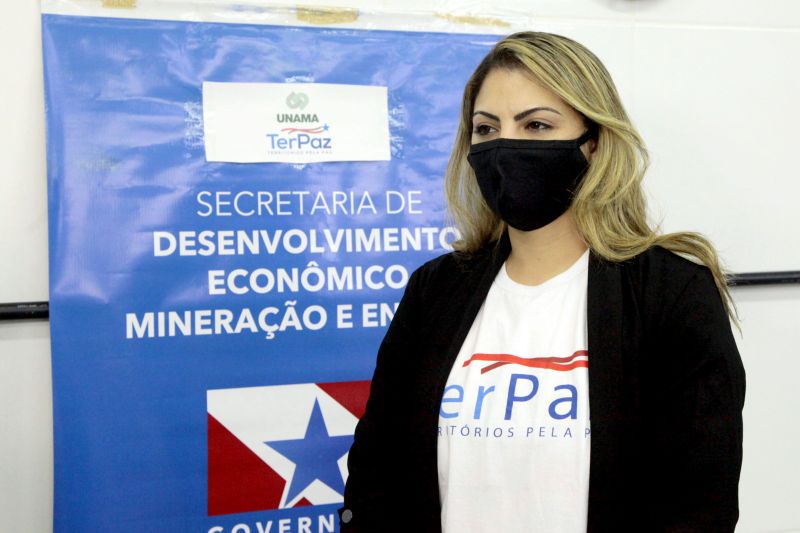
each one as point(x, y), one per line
point(281, 446)
point(303, 131)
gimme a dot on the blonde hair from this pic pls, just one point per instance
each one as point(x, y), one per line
point(609, 206)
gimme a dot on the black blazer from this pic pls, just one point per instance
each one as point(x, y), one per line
point(666, 391)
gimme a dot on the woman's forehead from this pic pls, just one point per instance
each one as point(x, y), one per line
point(514, 90)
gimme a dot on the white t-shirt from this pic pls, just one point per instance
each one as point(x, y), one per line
point(514, 432)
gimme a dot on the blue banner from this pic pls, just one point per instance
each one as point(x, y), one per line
point(214, 324)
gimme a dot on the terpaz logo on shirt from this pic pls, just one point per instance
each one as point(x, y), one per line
point(520, 387)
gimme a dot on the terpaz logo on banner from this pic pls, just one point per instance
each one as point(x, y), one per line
point(295, 122)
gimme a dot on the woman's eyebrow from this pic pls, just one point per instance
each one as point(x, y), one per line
point(518, 116)
point(493, 117)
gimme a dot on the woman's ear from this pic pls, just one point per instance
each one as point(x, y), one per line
point(591, 144)
point(589, 149)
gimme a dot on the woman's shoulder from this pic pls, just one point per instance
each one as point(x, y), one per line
point(662, 277)
point(658, 262)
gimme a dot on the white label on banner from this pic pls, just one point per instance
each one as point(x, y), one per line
point(295, 122)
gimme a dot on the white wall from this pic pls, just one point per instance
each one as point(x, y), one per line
point(770, 485)
point(745, 44)
point(26, 413)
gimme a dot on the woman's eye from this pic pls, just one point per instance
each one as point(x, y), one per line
point(536, 125)
point(482, 129)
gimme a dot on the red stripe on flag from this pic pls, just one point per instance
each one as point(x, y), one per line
point(238, 480)
point(352, 395)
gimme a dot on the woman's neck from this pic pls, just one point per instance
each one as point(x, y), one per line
point(541, 254)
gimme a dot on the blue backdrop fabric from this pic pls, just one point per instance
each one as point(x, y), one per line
point(126, 160)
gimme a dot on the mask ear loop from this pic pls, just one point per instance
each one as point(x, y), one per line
point(587, 135)
point(592, 128)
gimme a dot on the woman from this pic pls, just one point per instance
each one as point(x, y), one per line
point(559, 300)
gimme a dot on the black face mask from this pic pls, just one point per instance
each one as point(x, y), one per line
point(528, 183)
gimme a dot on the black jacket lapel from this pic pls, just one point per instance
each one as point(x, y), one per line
point(604, 316)
point(480, 282)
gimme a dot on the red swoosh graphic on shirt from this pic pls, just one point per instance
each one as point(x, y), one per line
point(562, 364)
